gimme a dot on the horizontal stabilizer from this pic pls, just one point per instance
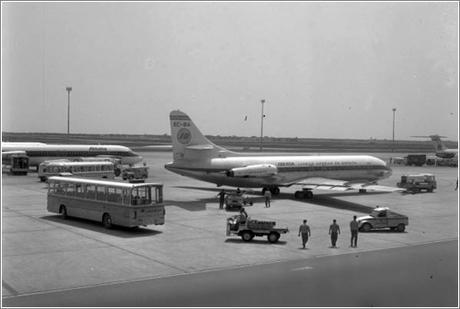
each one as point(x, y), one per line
point(200, 147)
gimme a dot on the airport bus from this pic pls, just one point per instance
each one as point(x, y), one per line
point(109, 202)
point(94, 169)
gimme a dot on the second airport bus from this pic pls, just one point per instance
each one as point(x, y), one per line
point(109, 202)
point(95, 169)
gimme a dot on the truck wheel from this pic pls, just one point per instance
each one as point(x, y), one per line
point(107, 221)
point(247, 236)
point(298, 195)
point(63, 212)
point(273, 237)
point(366, 227)
point(401, 227)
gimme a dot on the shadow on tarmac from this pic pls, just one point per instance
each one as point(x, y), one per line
point(260, 241)
point(118, 231)
point(323, 199)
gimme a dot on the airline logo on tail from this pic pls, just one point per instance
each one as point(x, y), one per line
point(184, 136)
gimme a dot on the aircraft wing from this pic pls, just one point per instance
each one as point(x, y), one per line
point(341, 185)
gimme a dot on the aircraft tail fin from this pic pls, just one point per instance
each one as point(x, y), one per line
point(188, 142)
point(439, 145)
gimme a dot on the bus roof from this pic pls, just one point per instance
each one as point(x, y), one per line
point(101, 182)
point(76, 163)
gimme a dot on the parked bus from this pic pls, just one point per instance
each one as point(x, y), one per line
point(96, 169)
point(109, 202)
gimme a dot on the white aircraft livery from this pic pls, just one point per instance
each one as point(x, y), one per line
point(40, 152)
point(196, 157)
point(441, 150)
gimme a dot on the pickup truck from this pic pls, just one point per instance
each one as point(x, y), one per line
point(247, 228)
point(382, 217)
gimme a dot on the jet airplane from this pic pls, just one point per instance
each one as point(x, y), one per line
point(196, 157)
point(40, 152)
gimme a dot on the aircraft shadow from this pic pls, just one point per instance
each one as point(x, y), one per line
point(323, 199)
point(329, 200)
point(119, 231)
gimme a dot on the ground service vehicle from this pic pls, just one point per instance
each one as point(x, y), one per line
point(135, 173)
point(417, 183)
point(19, 164)
point(416, 159)
point(382, 217)
point(109, 202)
point(236, 201)
point(247, 228)
point(95, 169)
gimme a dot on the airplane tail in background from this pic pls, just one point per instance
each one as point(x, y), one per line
point(438, 144)
point(189, 144)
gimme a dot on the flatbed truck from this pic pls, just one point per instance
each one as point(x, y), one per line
point(247, 228)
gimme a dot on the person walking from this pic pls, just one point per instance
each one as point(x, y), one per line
point(221, 196)
point(334, 231)
point(304, 230)
point(354, 232)
point(268, 197)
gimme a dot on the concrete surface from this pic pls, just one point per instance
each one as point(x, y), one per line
point(42, 252)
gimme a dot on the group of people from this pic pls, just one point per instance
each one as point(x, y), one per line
point(334, 231)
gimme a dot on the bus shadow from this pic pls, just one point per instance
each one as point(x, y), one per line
point(116, 230)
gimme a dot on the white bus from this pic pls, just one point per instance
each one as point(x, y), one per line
point(96, 169)
point(109, 202)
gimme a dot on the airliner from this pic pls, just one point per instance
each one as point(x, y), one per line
point(196, 157)
point(40, 152)
point(441, 150)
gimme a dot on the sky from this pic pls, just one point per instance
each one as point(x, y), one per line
point(324, 69)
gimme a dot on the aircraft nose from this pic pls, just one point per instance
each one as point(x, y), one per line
point(387, 171)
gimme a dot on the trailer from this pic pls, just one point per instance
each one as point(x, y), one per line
point(247, 228)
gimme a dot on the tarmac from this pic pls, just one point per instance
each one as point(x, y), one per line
point(41, 252)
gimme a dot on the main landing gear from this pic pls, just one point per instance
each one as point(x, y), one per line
point(304, 194)
point(273, 190)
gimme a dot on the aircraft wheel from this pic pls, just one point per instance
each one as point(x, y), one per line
point(275, 190)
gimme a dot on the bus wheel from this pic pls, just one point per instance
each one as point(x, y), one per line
point(63, 212)
point(107, 221)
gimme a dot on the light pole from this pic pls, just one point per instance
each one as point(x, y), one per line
point(69, 89)
point(393, 144)
point(262, 124)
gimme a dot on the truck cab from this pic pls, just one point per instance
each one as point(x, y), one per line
point(382, 217)
point(417, 183)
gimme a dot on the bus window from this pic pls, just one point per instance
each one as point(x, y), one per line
point(70, 189)
point(100, 193)
point(79, 190)
point(91, 192)
point(114, 195)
